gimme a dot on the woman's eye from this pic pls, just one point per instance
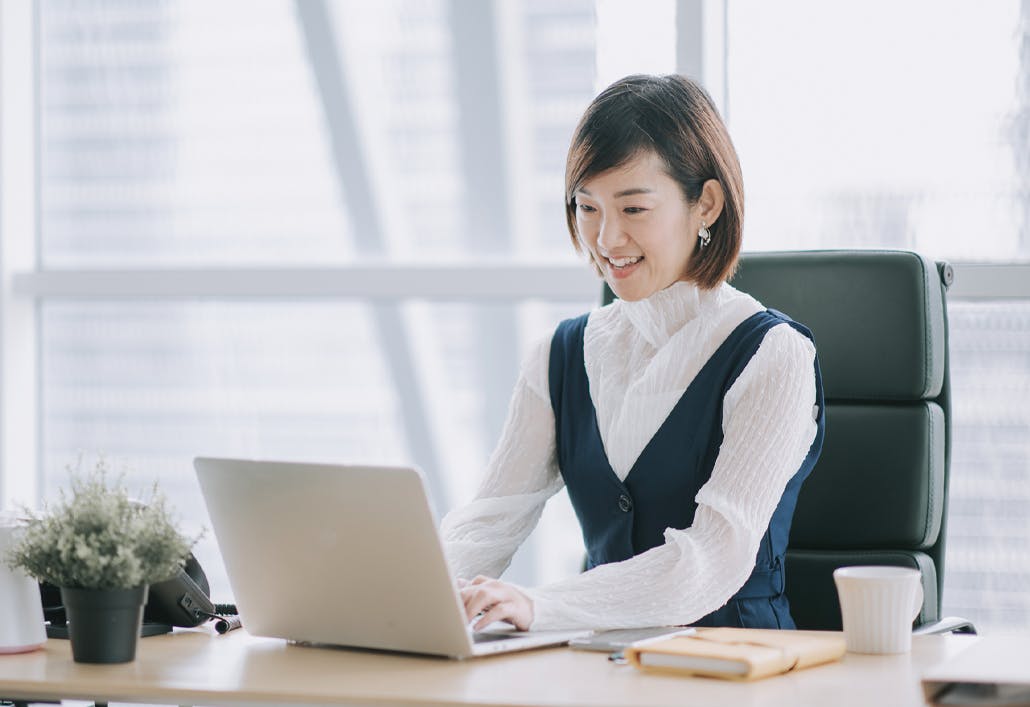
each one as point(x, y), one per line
point(634, 210)
point(586, 208)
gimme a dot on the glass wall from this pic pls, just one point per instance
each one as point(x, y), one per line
point(298, 133)
point(907, 125)
point(188, 134)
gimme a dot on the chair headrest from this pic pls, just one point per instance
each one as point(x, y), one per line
point(878, 317)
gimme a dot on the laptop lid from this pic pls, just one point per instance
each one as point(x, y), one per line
point(346, 555)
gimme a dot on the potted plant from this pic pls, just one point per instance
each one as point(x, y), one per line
point(103, 549)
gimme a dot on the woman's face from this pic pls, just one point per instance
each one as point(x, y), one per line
point(637, 226)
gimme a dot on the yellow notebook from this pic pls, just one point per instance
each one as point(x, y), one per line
point(738, 653)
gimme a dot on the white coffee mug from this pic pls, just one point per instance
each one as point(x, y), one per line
point(877, 606)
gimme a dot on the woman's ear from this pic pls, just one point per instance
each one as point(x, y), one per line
point(711, 201)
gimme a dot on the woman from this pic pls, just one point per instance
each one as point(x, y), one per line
point(682, 418)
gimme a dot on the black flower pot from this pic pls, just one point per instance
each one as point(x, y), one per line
point(104, 624)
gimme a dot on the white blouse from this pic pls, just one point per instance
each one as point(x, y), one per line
point(639, 358)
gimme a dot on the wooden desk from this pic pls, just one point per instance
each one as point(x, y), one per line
point(201, 668)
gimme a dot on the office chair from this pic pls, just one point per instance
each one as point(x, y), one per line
point(878, 495)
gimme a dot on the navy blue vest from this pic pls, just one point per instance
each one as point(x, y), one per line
point(621, 519)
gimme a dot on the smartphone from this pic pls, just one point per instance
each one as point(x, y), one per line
point(617, 639)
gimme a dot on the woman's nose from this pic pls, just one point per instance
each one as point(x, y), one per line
point(611, 234)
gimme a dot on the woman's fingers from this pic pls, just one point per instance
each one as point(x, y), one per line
point(497, 612)
point(496, 601)
point(478, 594)
point(477, 599)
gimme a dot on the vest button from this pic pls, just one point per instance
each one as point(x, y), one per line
point(625, 505)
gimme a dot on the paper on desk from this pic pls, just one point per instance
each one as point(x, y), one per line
point(992, 671)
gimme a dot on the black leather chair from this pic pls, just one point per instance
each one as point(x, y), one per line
point(879, 492)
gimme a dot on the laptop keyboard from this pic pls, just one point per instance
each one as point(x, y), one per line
point(488, 637)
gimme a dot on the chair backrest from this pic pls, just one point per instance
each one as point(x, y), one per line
point(878, 494)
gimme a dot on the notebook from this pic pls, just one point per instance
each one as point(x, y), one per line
point(343, 555)
point(738, 653)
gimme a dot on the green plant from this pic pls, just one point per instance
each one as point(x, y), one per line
point(99, 538)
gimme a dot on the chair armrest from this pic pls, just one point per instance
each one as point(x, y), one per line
point(949, 624)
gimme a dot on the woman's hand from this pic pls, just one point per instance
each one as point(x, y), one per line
point(497, 601)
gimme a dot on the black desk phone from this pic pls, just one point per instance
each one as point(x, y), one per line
point(182, 600)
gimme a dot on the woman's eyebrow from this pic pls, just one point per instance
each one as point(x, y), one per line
point(620, 194)
point(634, 190)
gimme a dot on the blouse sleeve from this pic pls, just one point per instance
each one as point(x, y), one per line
point(522, 474)
point(768, 428)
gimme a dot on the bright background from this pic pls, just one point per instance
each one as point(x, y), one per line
point(174, 171)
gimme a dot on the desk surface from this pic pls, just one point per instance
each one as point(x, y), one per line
point(200, 667)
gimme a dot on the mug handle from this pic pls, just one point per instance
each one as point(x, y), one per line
point(918, 599)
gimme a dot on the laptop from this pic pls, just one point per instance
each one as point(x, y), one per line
point(343, 555)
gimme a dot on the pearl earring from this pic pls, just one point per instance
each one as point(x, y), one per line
point(704, 234)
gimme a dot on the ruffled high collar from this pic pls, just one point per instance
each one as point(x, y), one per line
point(664, 313)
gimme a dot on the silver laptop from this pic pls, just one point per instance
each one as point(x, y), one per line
point(343, 555)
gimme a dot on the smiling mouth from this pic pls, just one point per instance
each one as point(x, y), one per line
point(620, 263)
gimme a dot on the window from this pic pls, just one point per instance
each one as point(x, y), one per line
point(313, 135)
point(854, 131)
point(329, 230)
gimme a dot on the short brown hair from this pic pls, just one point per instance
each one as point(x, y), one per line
point(676, 119)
